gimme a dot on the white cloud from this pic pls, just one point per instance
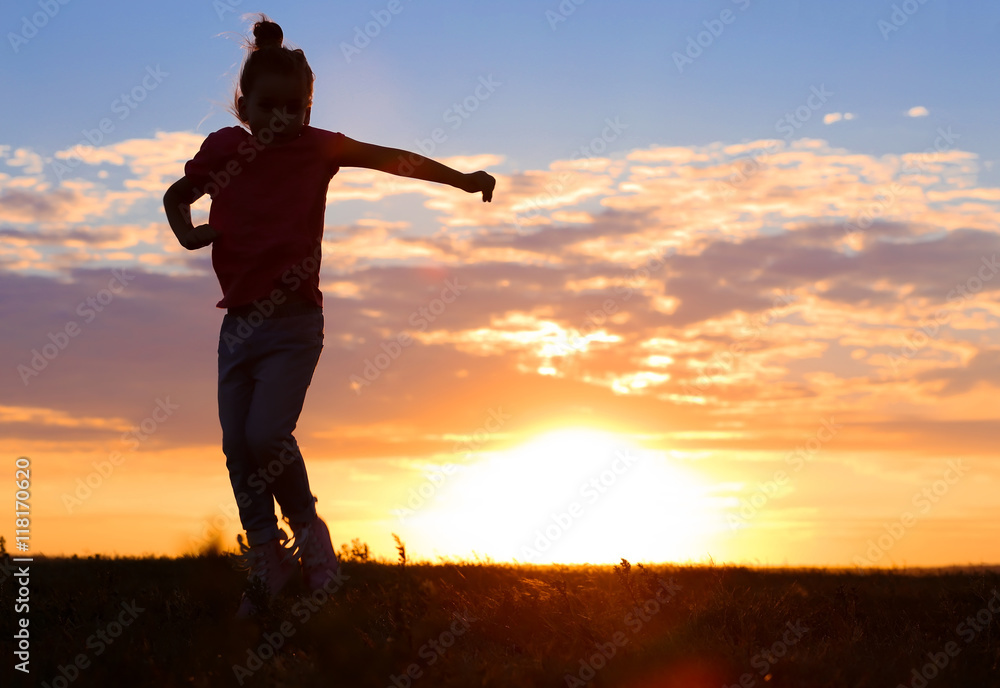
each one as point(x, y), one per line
point(918, 111)
point(832, 117)
point(29, 160)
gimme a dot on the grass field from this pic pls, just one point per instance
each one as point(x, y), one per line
point(168, 622)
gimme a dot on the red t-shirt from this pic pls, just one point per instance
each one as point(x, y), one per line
point(268, 204)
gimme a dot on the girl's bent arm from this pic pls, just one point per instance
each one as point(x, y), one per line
point(406, 164)
point(177, 204)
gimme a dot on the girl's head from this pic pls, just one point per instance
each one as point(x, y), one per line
point(274, 95)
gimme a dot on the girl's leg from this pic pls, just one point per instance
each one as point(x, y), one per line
point(290, 348)
point(236, 392)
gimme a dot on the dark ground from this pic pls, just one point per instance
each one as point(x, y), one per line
point(168, 622)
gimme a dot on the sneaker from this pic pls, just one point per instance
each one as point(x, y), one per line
point(319, 561)
point(271, 565)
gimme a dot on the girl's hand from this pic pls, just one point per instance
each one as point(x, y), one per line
point(200, 236)
point(481, 181)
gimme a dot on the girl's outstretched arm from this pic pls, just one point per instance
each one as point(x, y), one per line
point(406, 164)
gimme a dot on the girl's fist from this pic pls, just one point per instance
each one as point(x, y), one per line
point(481, 181)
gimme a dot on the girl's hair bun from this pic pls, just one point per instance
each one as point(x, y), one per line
point(267, 34)
point(276, 59)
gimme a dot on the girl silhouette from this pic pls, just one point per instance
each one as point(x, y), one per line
point(268, 187)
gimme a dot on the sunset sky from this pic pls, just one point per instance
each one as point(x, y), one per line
point(735, 296)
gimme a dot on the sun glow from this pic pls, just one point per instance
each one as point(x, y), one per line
point(575, 495)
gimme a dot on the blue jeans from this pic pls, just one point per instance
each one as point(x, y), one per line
point(265, 367)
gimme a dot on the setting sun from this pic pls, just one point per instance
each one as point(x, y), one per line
point(574, 495)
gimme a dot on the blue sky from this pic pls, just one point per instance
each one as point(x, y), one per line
point(605, 59)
